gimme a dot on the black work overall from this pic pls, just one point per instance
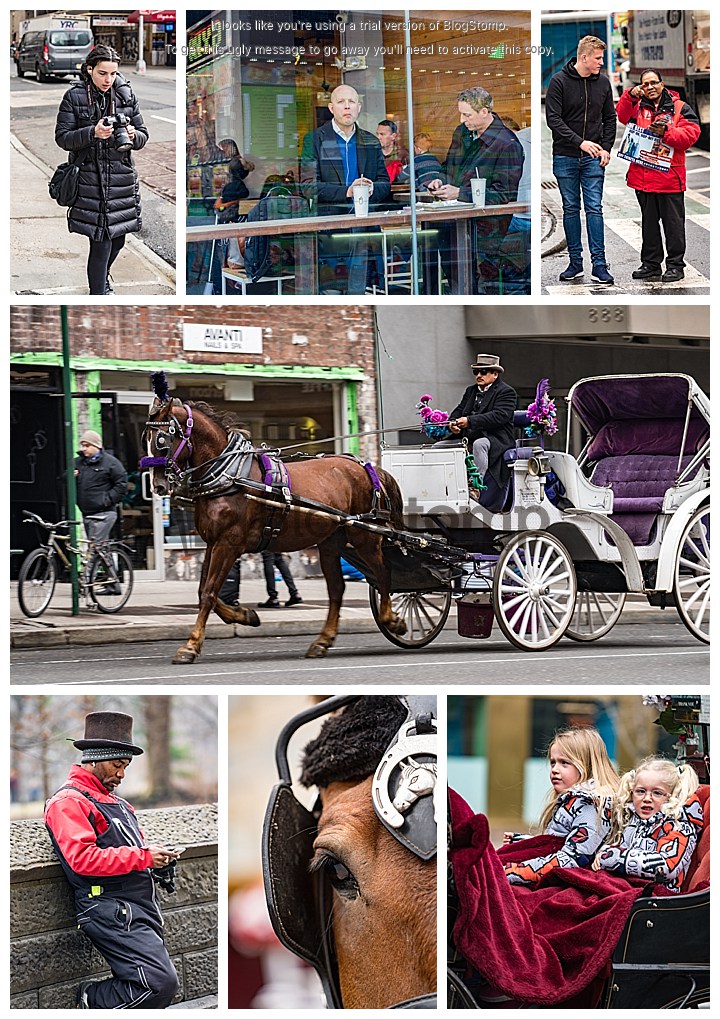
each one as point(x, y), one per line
point(122, 919)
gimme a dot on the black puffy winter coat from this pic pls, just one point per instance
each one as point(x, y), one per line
point(108, 202)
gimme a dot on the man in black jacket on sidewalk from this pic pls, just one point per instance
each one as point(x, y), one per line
point(580, 113)
point(101, 482)
point(482, 146)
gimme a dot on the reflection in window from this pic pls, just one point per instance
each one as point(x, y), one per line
point(260, 82)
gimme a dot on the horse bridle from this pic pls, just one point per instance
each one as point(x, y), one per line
point(299, 903)
point(167, 433)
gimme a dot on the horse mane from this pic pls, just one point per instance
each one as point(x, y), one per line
point(228, 420)
point(352, 742)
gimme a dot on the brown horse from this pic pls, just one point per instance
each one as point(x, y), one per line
point(186, 443)
point(384, 934)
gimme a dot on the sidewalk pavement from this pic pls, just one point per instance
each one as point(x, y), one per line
point(166, 611)
point(46, 259)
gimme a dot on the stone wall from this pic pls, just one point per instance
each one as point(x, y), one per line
point(49, 955)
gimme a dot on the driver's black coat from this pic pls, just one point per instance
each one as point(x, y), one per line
point(493, 418)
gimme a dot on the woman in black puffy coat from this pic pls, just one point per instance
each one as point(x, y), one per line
point(108, 203)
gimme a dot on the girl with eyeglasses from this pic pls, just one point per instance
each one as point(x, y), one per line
point(656, 823)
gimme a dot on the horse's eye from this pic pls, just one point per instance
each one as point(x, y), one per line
point(342, 879)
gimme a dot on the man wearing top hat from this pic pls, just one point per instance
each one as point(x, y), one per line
point(110, 870)
point(484, 417)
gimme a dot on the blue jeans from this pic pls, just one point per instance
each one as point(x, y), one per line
point(586, 176)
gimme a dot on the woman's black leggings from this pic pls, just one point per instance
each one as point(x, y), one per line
point(101, 257)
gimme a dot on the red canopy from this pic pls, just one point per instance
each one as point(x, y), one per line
point(155, 17)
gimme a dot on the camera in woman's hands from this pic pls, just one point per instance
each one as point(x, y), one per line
point(121, 139)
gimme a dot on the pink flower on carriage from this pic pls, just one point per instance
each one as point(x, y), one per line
point(434, 422)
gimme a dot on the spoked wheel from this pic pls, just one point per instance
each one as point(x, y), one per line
point(596, 612)
point(36, 582)
point(534, 590)
point(423, 612)
point(692, 575)
point(111, 579)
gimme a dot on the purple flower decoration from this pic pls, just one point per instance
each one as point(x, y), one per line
point(542, 412)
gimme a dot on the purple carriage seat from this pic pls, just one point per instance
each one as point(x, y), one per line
point(635, 459)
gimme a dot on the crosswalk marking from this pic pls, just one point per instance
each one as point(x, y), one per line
point(699, 197)
point(629, 230)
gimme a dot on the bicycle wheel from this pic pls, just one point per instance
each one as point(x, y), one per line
point(111, 578)
point(36, 582)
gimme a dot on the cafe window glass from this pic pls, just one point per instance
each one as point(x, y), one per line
point(259, 83)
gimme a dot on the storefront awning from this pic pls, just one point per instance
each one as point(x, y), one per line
point(153, 17)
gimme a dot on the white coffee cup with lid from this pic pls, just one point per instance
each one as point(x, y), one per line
point(361, 199)
point(477, 185)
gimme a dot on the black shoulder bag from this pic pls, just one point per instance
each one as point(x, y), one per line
point(64, 185)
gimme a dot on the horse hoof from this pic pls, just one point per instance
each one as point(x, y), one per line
point(252, 618)
point(184, 657)
point(316, 651)
point(399, 627)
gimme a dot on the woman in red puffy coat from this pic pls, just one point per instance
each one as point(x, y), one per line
point(660, 194)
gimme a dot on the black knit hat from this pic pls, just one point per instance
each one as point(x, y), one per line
point(108, 735)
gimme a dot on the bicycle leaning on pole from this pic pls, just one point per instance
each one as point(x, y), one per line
point(105, 576)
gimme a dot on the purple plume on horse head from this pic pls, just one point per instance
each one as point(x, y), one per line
point(160, 386)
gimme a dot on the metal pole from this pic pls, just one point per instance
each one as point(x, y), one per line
point(141, 62)
point(411, 133)
point(69, 455)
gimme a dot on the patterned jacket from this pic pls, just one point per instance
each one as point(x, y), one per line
point(658, 848)
point(581, 822)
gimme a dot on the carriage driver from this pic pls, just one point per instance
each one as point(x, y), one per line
point(484, 417)
point(110, 870)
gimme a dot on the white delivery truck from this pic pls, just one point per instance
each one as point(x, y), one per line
point(676, 43)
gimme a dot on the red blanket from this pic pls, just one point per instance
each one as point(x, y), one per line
point(539, 945)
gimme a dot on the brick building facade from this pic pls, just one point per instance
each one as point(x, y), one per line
point(297, 376)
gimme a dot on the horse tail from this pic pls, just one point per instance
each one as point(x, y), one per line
point(394, 498)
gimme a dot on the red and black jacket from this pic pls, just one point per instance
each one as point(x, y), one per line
point(98, 841)
point(682, 132)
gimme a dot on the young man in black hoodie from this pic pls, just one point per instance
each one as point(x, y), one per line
point(580, 113)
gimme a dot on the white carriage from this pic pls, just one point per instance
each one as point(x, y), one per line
point(558, 550)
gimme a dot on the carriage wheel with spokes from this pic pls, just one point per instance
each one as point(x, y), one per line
point(692, 575)
point(423, 612)
point(111, 579)
point(36, 582)
point(596, 612)
point(534, 590)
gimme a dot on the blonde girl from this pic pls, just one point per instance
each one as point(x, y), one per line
point(656, 823)
point(578, 807)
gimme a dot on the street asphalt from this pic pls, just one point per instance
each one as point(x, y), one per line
point(166, 611)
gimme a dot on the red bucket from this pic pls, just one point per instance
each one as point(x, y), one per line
point(475, 615)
